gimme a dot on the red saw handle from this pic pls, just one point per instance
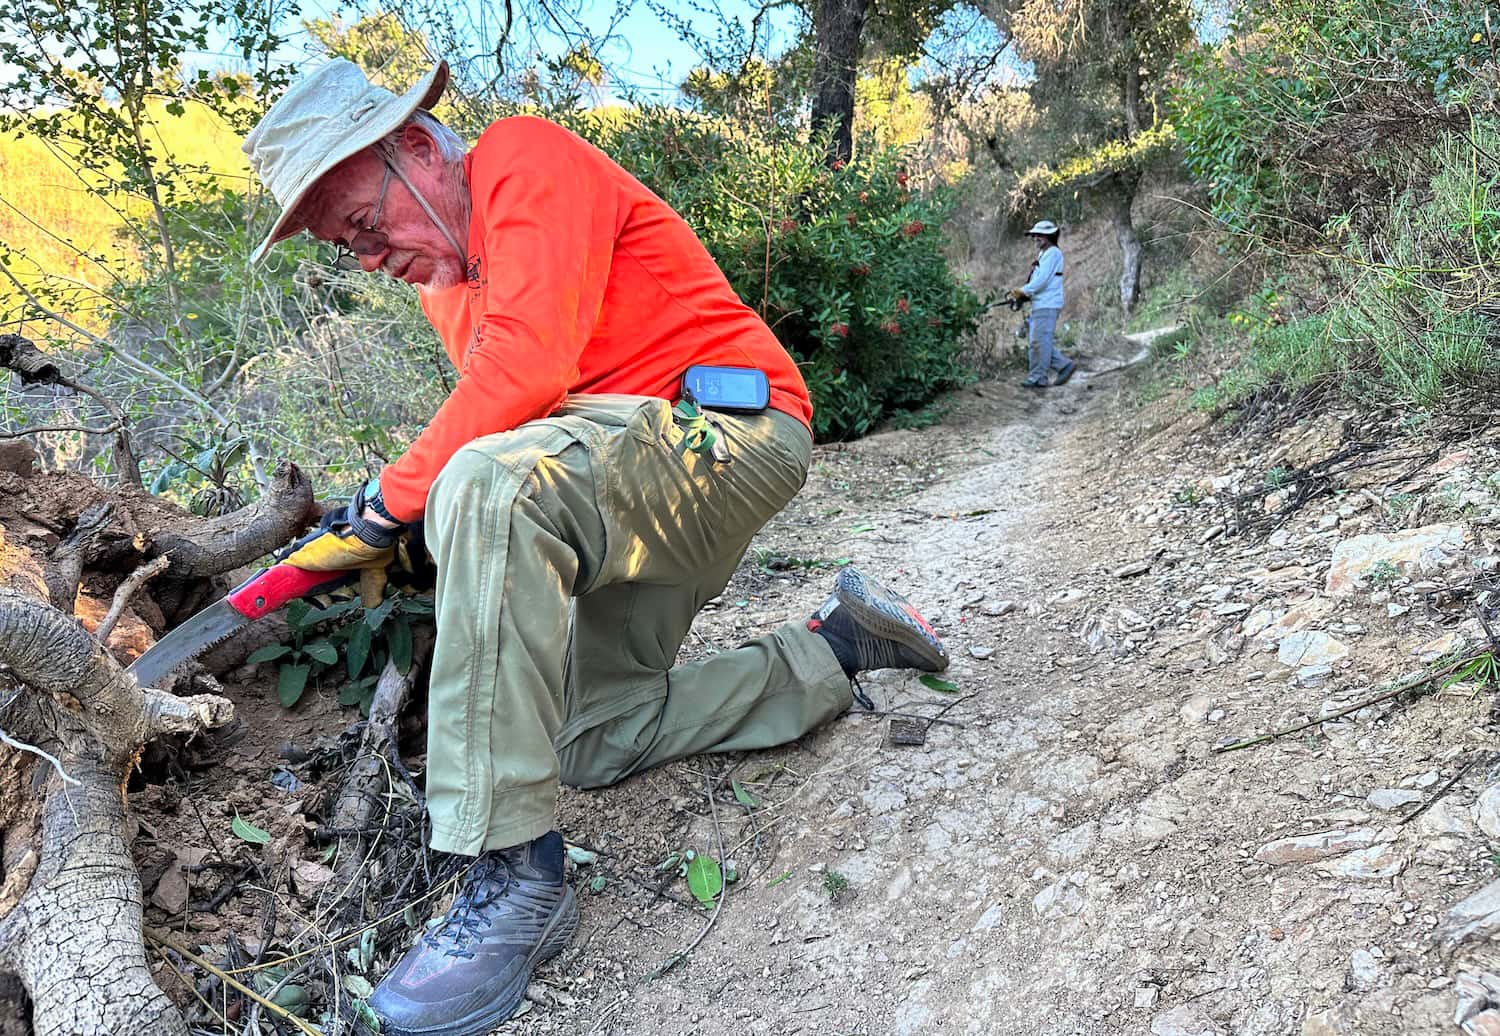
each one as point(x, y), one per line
point(271, 588)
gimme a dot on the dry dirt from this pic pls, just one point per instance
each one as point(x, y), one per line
point(1072, 858)
point(1065, 854)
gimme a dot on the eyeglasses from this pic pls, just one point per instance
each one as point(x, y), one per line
point(369, 240)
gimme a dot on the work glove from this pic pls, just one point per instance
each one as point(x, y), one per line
point(1016, 295)
point(347, 541)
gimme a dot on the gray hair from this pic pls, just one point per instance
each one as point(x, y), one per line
point(449, 144)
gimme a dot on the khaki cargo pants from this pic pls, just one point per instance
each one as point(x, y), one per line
point(572, 554)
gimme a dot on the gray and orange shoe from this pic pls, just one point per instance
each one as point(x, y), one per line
point(871, 627)
point(468, 973)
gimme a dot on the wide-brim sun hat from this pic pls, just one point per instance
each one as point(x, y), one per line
point(325, 118)
point(1046, 226)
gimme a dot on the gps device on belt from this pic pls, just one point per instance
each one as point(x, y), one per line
point(739, 389)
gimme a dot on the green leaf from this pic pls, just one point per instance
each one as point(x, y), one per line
point(599, 884)
point(863, 527)
point(291, 682)
point(743, 797)
point(375, 617)
point(350, 694)
point(322, 651)
point(928, 680)
point(248, 831)
point(705, 880)
point(269, 653)
point(779, 878)
point(398, 636)
point(359, 986)
point(357, 649)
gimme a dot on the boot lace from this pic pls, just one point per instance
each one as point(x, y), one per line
point(487, 881)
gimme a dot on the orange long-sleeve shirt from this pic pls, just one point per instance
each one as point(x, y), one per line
point(579, 280)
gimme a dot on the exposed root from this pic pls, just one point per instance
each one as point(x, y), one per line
point(79, 916)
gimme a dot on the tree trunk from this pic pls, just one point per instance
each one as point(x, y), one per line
point(1130, 243)
point(71, 930)
point(837, 29)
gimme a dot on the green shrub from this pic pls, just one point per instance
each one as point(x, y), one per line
point(845, 265)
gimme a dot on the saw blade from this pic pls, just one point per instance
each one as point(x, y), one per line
point(187, 641)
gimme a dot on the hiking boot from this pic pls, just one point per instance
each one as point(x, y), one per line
point(870, 627)
point(1065, 372)
point(1029, 384)
point(468, 973)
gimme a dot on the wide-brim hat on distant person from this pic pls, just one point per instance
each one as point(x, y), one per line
point(324, 118)
point(1042, 229)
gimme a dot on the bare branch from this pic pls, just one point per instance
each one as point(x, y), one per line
point(124, 592)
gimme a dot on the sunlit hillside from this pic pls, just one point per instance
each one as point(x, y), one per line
point(50, 221)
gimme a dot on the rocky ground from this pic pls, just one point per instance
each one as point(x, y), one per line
point(1123, 589)
point(1071, 855)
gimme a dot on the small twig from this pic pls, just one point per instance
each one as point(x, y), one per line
point(34, 750)
point(125, 591)
point(85, 429)
point(1394, 692)
point(230, 980)
point(682, 954)
point(1479, 757)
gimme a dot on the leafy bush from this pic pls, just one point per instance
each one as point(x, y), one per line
point(1314, 109)
point(844, 264)
point(1356, 137)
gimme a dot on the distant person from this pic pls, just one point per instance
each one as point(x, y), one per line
point(1044, 289)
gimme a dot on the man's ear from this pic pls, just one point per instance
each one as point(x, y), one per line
point(420, 147)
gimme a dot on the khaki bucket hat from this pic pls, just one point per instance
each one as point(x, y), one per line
point(323, 119)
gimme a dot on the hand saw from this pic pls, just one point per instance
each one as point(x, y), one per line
point(263, 593)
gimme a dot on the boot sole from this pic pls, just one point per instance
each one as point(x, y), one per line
point(887, 614)
point(559, 933)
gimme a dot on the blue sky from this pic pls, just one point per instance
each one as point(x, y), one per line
point(643, 53)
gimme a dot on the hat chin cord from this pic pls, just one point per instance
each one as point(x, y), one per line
point(427, 208)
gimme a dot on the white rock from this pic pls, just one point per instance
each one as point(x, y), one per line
point(1146, 997)
point(1409, 552)
point(1393, 799)
point(1479, 915)
point(998, 608)
point(1487, 811)
point(1314, 675)
point(1059, 899)
point(1394, 610)
point(1372, 864)
point(1364, 970)
point(1183, 1020)
point(1196, 708)
point(981, 653)
point(1310, 648)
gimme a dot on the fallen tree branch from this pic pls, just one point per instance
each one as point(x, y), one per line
point(65, 568)
point(124, 592)
point(209, 547)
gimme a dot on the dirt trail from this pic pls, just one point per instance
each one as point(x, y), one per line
point(1070, 858)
